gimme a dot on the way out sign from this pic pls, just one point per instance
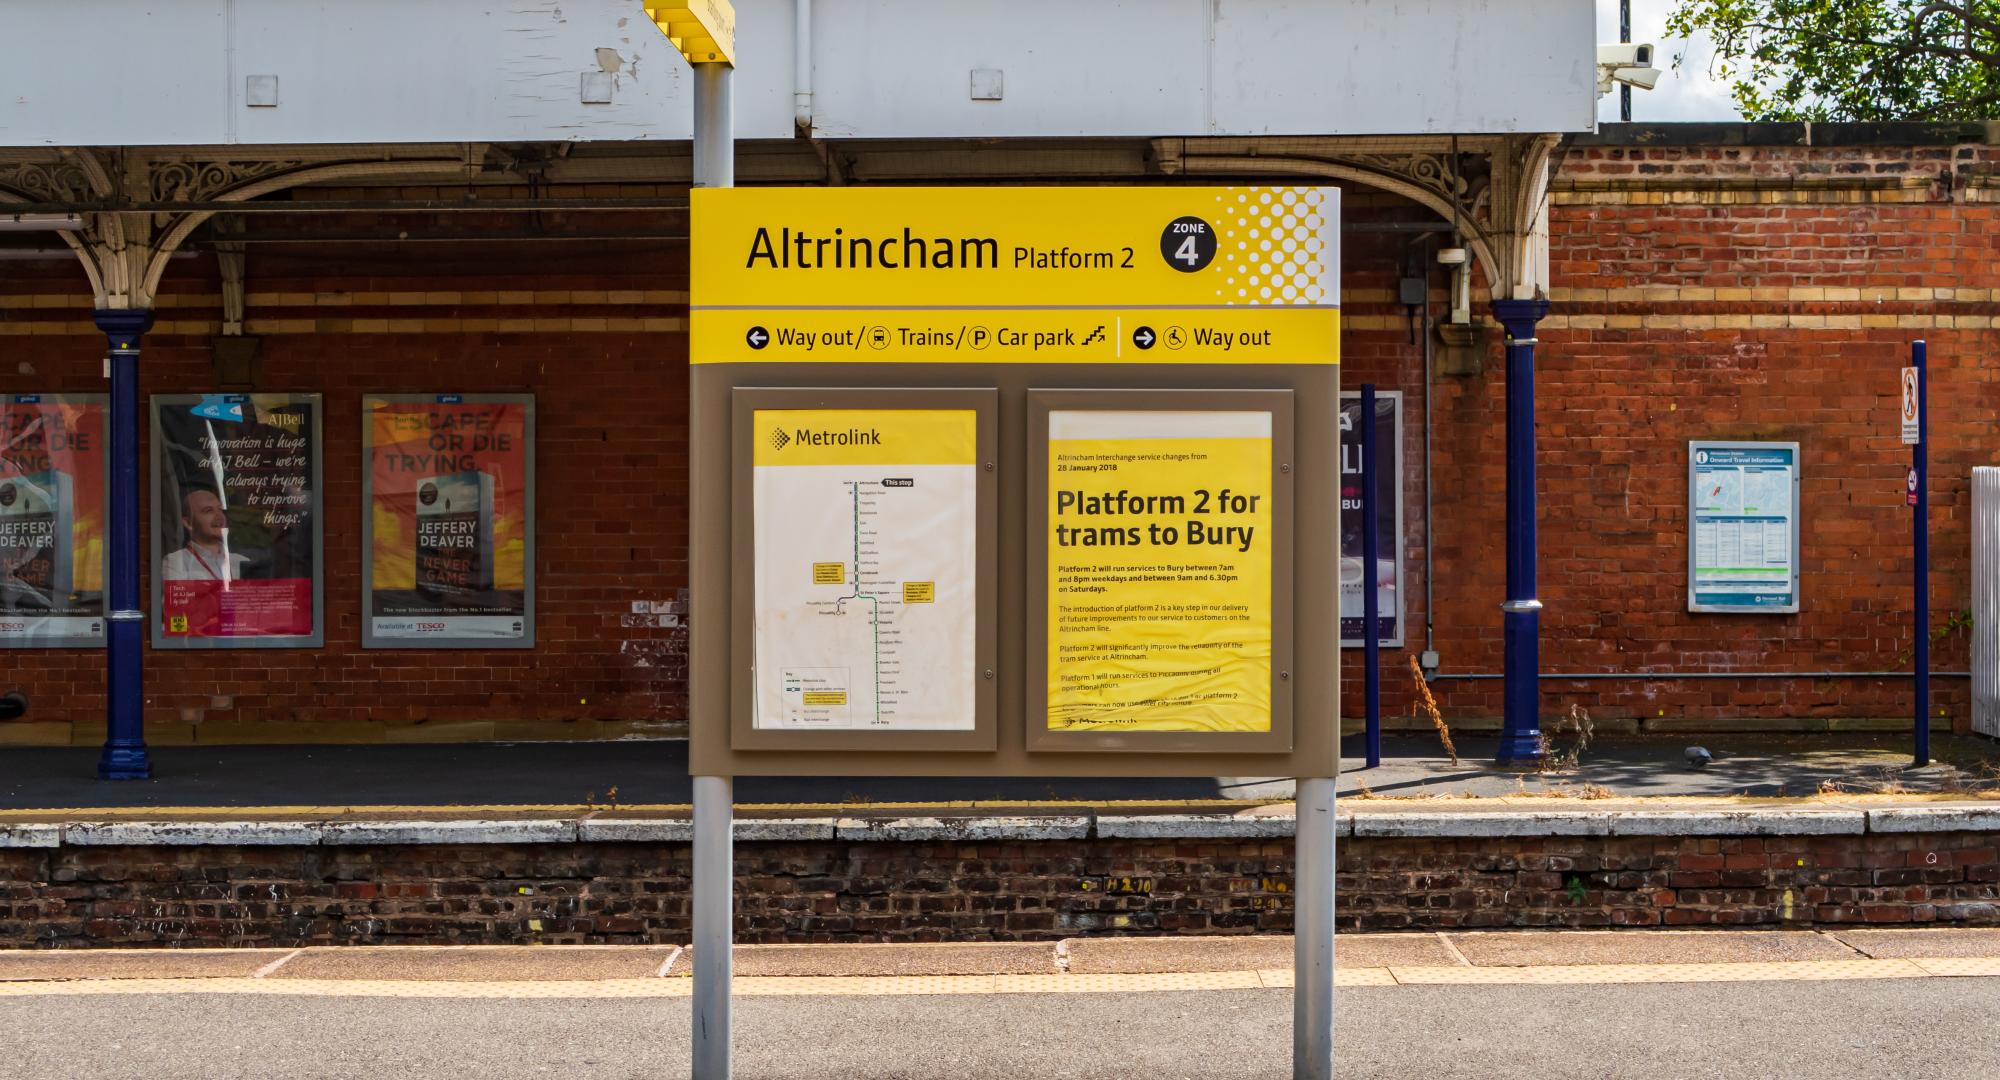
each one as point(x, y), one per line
point(1912, 408)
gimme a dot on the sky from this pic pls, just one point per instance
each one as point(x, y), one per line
point(1688, 93)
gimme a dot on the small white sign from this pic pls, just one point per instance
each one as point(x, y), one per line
point(1911, 410)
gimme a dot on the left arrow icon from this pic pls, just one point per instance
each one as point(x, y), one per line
point(758, 337)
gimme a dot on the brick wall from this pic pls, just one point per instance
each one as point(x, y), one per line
point(1700, 291)
point(604, 353)
point(1027, 890)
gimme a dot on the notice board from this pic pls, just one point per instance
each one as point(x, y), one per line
point(1015, 481)
point(1743, 527)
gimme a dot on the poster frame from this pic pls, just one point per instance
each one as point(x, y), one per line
point(369, 639)
point(745, 402)
point(1400, 531)
point(1035, 668)
point(317, 448)
point(79, 641)
point(1796, 521)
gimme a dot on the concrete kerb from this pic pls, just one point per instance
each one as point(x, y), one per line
point(1930, 819)
point(1272, 823)
point(31, 836)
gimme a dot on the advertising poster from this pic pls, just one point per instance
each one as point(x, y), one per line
point(866, 556)
point(1743, 542)
point(236, 521)
point(1160, 555)
point(53, 465)
point(448, 521)
point(1388, 520)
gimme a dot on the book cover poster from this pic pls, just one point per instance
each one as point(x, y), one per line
point(449, 521)
point(236, 521)
point(52, 520)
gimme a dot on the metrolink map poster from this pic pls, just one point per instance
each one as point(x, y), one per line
point(1160, 553)
point(236, 521)
point(449, 510)
point(1743, 527)
point(52, 483)
point(866, 560)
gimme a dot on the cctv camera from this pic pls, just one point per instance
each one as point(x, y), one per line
point(1645, 78)
point(1628, 64)
point(1624, 56)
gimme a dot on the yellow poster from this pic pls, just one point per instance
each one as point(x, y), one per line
point(1160, 532)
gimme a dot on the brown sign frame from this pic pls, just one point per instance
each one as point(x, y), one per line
point(745, 402)
point(1277, 403)
point(716, 548)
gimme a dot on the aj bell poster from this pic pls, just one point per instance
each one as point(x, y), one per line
point(236, 518)
point(52, 481)
point(448, 520)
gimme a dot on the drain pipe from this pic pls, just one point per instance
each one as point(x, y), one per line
point(802, 68)
point(12, 705)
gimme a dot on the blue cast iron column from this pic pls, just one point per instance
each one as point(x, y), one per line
point(1520, 738)
point(124, 756)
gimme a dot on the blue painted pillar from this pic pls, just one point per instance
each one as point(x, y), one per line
point(124, 756)
point(1521, 630)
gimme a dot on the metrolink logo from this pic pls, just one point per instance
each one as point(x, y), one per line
point(810, 437)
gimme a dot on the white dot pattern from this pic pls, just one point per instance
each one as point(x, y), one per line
point(1271, 239)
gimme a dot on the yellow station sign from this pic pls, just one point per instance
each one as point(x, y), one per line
point(1016, 275)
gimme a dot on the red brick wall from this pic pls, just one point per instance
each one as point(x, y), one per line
point(612, 501)
point(78, 897)
point(1785, 282)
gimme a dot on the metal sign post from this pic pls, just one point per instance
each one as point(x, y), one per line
point(1916, 423)
point(705, 33)
point(1012, 482)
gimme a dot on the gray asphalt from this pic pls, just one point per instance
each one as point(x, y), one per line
point(1933, 1029)
point(656, 772)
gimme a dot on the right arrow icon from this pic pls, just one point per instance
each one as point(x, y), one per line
point(1143, 337)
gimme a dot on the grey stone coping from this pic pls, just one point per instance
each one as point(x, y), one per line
point(1206, 826)
point(1063, 827)
point(1437, 825)
point(449, 832)
point(31, 836)
point(191, 833)
point(860, 827)
point(1909, 819)
point(1760, 822)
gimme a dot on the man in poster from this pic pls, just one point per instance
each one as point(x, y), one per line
point(237, 534)
point(206, 555)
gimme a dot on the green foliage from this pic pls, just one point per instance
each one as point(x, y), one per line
point(1823, 60)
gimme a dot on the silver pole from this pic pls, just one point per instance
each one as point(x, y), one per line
point(714, 882)
point(1312, 962)
point(714, 127)
point(714, 910)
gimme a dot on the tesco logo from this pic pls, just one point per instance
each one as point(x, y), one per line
point(430, 627)
point(13, 628)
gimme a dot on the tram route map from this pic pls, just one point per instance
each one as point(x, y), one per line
point(865, 547)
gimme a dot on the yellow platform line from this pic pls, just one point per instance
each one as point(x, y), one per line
point(909, 985)
point(841, 809)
